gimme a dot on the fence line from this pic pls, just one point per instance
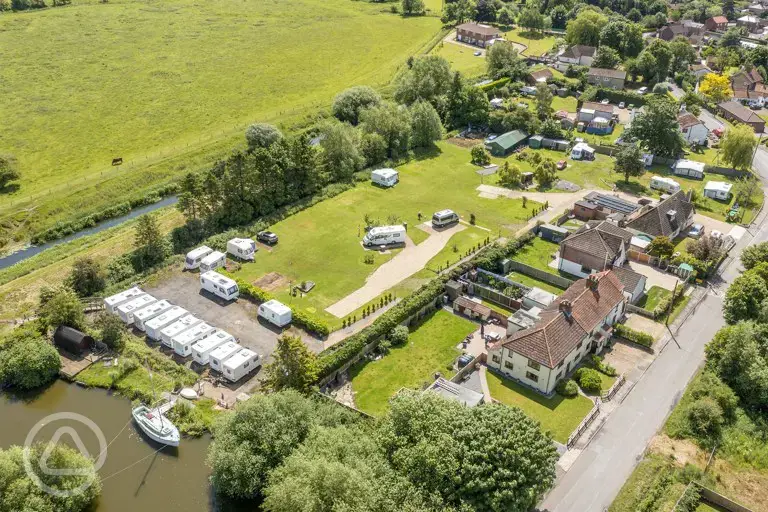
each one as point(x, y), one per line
point(585, 423)
point(614, 389)
point(541, 275)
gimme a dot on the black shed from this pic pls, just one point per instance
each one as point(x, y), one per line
point(72, 340)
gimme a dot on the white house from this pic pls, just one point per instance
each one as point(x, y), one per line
point(576, 55)
point(694, 131)
point(689, 168)
point(718, 190)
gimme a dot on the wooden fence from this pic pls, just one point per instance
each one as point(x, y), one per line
point(605, 397)
point(541, 275)
point(586, 422)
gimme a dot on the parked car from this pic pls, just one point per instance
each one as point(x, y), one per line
point(561, 165)
point(642, 90)
point(604, 102)
point(696, 231)
point(267, 237)
point(477, 53)
point(716, 234)
point(621, 104)
point(718, 132)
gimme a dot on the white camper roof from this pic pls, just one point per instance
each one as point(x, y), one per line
point(167, 317)
point(199, 251)
point(225, 350)
point(444, 213)
point(152, 310)
point(213, 257)
point(180, 325)
point(238, 359)
point(276, 307)
point(219, 279)
point(718, 186)
point(385, 173)
point(583, 146)
point(381, 230)
point(689, 164)
point(213, 340)
point(242, 243)
point(188, 336)
point(139, 302)
point(124, 296)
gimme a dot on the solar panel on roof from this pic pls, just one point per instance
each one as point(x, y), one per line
point(616, 204)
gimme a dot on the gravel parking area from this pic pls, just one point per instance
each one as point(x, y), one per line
point(628, 359)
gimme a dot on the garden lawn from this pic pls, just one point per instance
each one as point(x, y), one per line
point(653, 297)
point(462, 58)
point(431, 348)
point(568, 103)
point(558, 415)
point(537, 43)
point(498, 308)
point(538, 254)
point(533, 282)
point(171, 86)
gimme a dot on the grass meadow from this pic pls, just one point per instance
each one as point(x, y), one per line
point(171, 86)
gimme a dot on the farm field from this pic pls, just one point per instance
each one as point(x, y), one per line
point(170, 87)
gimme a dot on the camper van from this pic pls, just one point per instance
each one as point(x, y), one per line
point(384, 235)
point(241, 364)
point(171, 331)
point(276, 313)
point(213, 261)
point(444, 218)
point(126, 311)
point(111, 303)
point(219, 285)
point(219, 355)
point(665, 184)
point(242, 248)
point(195, 256)
point(385, 177)
point(201, 350)
point(146, 314)
point(154, 326)
point(182, 343)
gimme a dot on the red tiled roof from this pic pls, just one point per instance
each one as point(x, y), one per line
point(687, 120)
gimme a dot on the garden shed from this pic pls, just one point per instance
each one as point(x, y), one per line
point(470, 308)
point(72, 340)
point(506, 143)
point(552, 233)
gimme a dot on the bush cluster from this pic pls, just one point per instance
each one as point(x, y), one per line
point(300, 318)
point(567, 388)
point(588, 379)
point(641, 338)
point(601, 366)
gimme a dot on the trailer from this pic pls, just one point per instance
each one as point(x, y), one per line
point(384, 235)
point(219, 285)
point(219, 355)
point(275, 312)
point(242, 248)
point(111, 303)
point(241, 364)
point(154, 327)
point(146, 314)
point(126, 311)
point(665, 184)
point(201, 350)
point(168, 333)
point(182, 343)
point(385, 177)
point(195, 256)
point(213, 261)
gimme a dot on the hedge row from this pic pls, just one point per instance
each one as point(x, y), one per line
point(639, 337)
point(495, 84)
point(668, 303)
point(300, 318)
point(491, 258)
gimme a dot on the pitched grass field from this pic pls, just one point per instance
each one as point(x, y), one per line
point(171, 86)
point(462, 58)
point(431, 348)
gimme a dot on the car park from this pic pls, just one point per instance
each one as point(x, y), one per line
point(267, 237)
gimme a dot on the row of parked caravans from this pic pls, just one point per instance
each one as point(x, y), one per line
point(181, 331)
point(207, 259)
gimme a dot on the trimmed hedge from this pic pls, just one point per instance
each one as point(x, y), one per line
point(300, 318)
point(641, 338)
point(588, 379)
point(495, 84)
point(491, 258)
point(567, 388)
point(668, 303)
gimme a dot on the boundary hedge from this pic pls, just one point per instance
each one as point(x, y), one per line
point(301, 318)
point(639, 337)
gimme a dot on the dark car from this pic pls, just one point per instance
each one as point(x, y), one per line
point(267, 237)
point(465, 360)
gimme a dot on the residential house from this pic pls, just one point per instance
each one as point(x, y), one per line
point(506, 143)
point(718, 190)
point(597, 117)
point(735, 111)
point(689, 168)
point(597, 206)
point(686, 28)
point(477, 34)
point(579, 322)
point(576, 55)
point(669, 218)
point(749, 87)
point(540, 76)
point(596, 246)
point(716, 24)
point(700, 70)
point(694, 131)
point(756, 9)
point(608, 78)
point(634, 283)
point(752, 23)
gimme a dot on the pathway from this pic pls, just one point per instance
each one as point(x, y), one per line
point(341, 334)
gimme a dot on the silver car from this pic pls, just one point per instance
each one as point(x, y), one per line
point(696, 231)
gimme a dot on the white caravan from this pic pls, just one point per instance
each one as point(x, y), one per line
point(213, 261)
point(241, 364)
point(168, 333)
point(126, 311)
point(195, 256)
point(111, 303)
point(154, 327)
point(384, 235)
point(219, 355)
point(665, 184)
point(242, 248)
point(219, 285)
point(444, 218)
point(182, 343)
point(146, 314)
point(276, 312)
point(385, 177)
point(202, 349)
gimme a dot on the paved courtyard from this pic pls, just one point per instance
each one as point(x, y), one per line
point(655, 277)
point(628, 359)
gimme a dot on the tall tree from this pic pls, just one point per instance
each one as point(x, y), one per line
point(585, 28)
point(744, 297)
point(412, 7)
point(62, 306)
point(293, 366)
point(151, 247)
point(660, 50)
point(543, 101)
point(502, 60)
point(86, 277)
point(428, 79)
point(426, 127)
point(715, 88)
point(467, 105)
point(656, 129)
point(191, 199)
point(27, 361)
point(606, 58)
point(683, 54)
point(393, 123)
point(629, 162)
point(348, 104)
point(341, 150)
point(262, 135)
point(738, 146)
point(531, 19)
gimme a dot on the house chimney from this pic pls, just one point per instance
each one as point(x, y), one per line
point(566, 308)
point(592, 282)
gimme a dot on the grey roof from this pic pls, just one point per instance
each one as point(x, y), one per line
point(655, 221)
point(579, 50)
point(599, 238)
point(614, 203)
point(477, 28)
point(611, 73)
point(628, 277)
point(453, 391)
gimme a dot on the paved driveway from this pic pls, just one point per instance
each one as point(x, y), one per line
point(655, 276)
point(711, 224)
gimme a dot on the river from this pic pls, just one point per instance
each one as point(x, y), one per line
point(173, 479)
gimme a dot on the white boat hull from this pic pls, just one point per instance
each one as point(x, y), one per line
point(156, 426)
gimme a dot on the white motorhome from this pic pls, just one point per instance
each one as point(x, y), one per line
point(202, 349)
point(219, 356)
point(385, 177)
point(126, 311)
point(665, 184)
point(219, 285)
point(275, 312)
point(241, 364)
point(111, 303)
point(146, 314)
point(154, 327)
point(182, 343)
point(195, 256)
point(168, 333)
point(242, 248)
point(384, 235)
point(213, 261)
point(444, 218)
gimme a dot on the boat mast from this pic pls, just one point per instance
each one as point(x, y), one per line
point(154, 396)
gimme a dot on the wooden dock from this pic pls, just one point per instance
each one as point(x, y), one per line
point(72, 365)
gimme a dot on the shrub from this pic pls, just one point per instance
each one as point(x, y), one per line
point(705, 417)
point(602, 366)
point(588, 379)
point(567, 388)
point(399, 335)
point(27, 361)
point(301, 318)
point(480, 155)
point(689, 501)
point(641, 338)
point(111, 330)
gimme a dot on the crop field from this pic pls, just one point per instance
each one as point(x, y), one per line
point(170, 86)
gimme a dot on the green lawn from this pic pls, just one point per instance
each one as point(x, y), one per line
point(498, 307)
point(568, 103)
point(572, 224)
point(558, 415)
point(171, 86)
point(532, 281)
point(431, 348)
point(462, 58)
point(539, 254)
point(653, 297)
point(537, 43)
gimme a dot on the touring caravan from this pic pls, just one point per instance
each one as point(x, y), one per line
point(202, 349)
point(146, 314)
point(665, 184)
point(241, 364)
point(219, 355)
point(219, 285)
point(155, 326)
point(195, 256)
point(176, 328)
point(242, 248)
point(213, 261)
point(275, 312)
point(182, 343)
point(444, 218)
point(111, 303)
point(126, 311)
point(385, 177)
point(384, 235)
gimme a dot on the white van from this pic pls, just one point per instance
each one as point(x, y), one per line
point(665, 184)
point(195, 256)
point(444, 218)
point(242, 248)
point(384, 235)
point(219, 285)
point(276, 312)
point(213, 261)
point(385, 177)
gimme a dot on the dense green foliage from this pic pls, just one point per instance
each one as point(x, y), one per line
point(27, 360)
point(293, 366)
point(61, 306)
point(567, 387)
point(754, 254)
point(300, 318)
point(656, 128)
point(87, 277)
point(262, 135)
point(111, 330)
point(642, 338)
point(588, 379)
point(348, 105)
